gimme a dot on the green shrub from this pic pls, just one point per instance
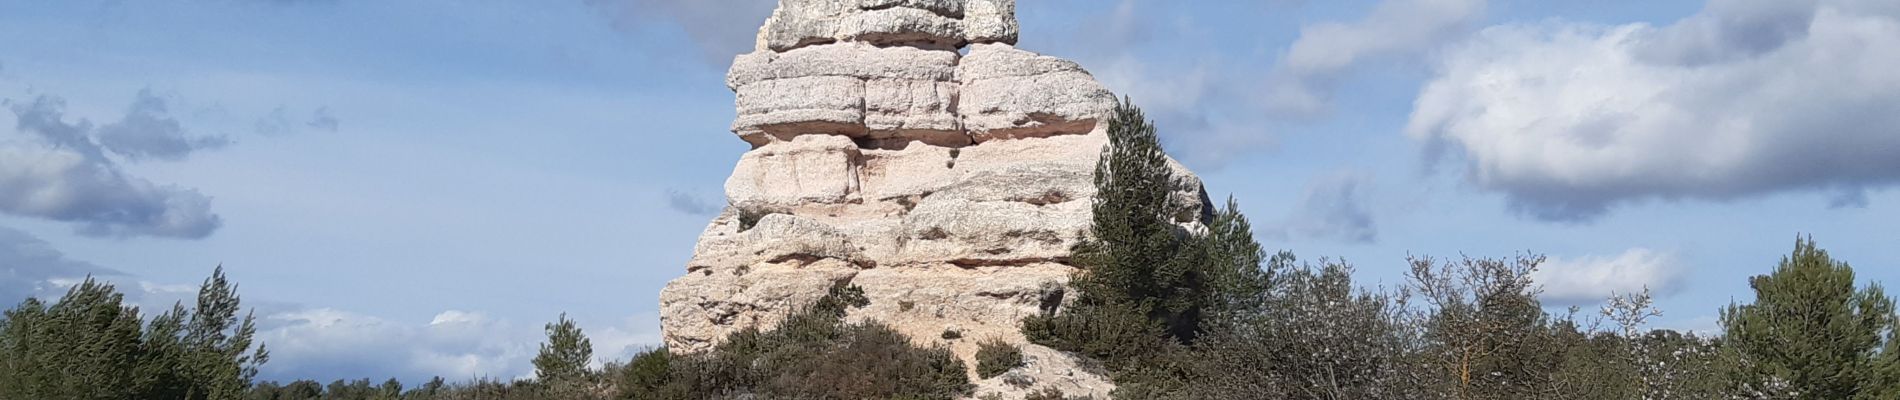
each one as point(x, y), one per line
point(648, 372)
point(1117, 335)
point(994, 357)
point(813, 354)
point(869, 361)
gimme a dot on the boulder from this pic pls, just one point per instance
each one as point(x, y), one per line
point(952, 188)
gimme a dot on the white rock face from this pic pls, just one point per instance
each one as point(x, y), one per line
point(951, 188)
point(942, 24)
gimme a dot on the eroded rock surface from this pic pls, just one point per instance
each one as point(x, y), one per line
point(950, 186)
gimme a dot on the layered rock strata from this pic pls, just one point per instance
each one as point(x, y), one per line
point(949, 185)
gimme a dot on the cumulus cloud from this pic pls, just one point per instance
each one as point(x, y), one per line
point(30, 267)
point(1208, 105)
point(324, 344)
point(1741, 99)
point(53, 169)
point(1591, 279)
point(690, 204)
point(720, 29)
point(148, 131)
point(1333, 207)
point(1301, 84)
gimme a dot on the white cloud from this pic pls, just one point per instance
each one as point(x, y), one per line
point(1208, 101)
point(1591, 279)
point(1741, 99)
point(1301, 84)
point(326, 344)
point(53, 169)
point(148, 131)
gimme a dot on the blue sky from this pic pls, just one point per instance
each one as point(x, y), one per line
point(412, 188)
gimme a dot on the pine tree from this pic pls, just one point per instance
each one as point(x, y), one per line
point(162, 372)
point(1149, 288)
point(434, 387)
point(1239, 286)
point(210, 347)
point(390, 390)
point(83, 347)
point(564, 357)
point(1811, 335)
point(89, 345)
point(1136, 292)
point(15, 350)
point(1137, 257)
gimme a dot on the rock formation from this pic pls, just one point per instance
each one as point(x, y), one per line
point(950, 186)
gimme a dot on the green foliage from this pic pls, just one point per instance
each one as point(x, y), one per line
point(1119, 335)
point(1316, 337)
point(1810, 334)
point(1137, 258)
point(86, 346)
point(812, 354)
point(1239, 288)
point(994, 357)
point(218, 359)
point(647, 373)
point(563, 358)
point(89, 345)
point(1149, 287)
point(390, 390)
point(1485, 335)
point(1591, 365)
point(342, 390)
point(1675, 365)
point(303, 389)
